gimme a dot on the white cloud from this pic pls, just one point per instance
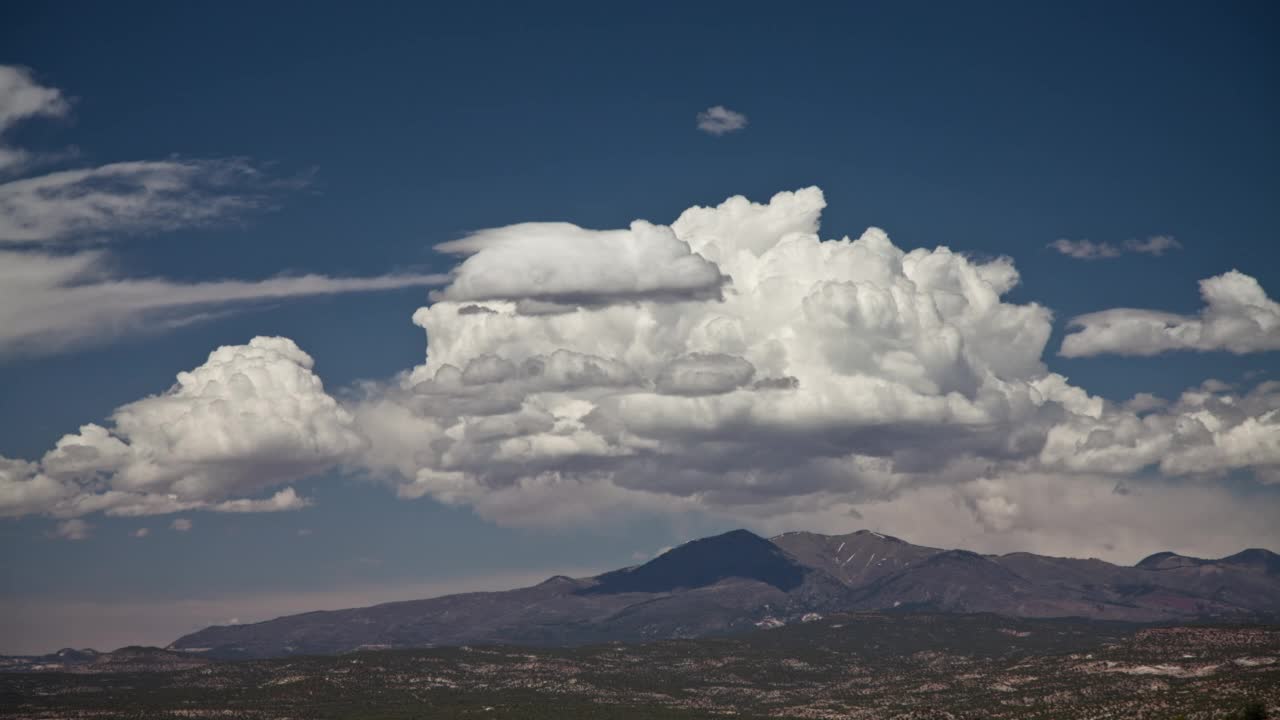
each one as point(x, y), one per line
point(73, 529)
point(846, 373)
point(820, 358)
point(718, 120)
point(284, 500)
point(564, 265)
point(140, 533)
point(830, 381)
point(128, 197)
point(1238, 317)
point(50, 303)
point(251, 418)
point(21, 98)
point(1084, 249)
point(1156, 245)
point(180, 524)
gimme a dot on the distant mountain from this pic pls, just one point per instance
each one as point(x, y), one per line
point(126, 659)
point(739, 580)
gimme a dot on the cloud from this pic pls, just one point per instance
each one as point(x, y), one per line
point(129, 197)
point(563, 265)
point(1206, 432)
point(1156, 245)
point(1238, 317)
point(718, 120)
point(828, 381)
point(140, 533)
point(22, 98)
point(867, 355)
point(283, 501)
point(73, 529)
point(180, 524)
point(55, 299)
point(54, 302)
point(251, 418)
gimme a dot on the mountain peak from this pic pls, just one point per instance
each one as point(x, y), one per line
point(1167, 561)
point(735, 554)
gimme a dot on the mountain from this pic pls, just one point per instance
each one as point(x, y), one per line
point(738, 580)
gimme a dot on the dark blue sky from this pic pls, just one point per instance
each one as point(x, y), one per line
point(991, 127)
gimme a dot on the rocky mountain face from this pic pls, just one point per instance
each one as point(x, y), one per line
point(739, 580)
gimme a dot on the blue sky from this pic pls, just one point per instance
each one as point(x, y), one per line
point(991, 128)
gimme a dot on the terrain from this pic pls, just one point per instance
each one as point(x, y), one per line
point(739, 581)
point(861, 665)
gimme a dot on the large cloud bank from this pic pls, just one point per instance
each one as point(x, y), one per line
point(831, 374)
point(732, 363)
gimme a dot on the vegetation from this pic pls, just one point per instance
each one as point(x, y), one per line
point(848, 666)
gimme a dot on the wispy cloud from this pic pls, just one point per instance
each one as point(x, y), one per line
point(50, 302)
point(132, 197)
point(718, 120)
point(21, 97)
point(1156, 245)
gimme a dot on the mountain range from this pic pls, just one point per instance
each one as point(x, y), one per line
point(738, 581)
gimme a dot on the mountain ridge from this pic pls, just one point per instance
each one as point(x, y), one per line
point(738, 580)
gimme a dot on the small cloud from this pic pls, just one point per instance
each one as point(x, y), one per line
point(1156, 245)
point(73, 529)
point(718, 120)
point(140, 533)
point(304, 532)
point(181, 524)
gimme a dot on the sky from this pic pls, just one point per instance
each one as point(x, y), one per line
point(306, 306)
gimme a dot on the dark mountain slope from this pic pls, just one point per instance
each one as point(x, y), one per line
point(737, 580)
point(736, 554)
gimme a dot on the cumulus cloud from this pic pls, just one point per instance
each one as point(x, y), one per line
point(1156, 245)
point(52, 302)
point(840, 381)
point(822, 362)
point(140, 533)
point(845, 372)
point(1238, 317)
point(718, 120)
point(180, 524)
point(562, 265)
point(251, 418)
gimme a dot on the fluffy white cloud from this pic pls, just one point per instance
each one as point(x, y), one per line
point(252, 417)
point(50, 303)
point(823, 362)
point(180, 524)
point(563, 265)
point(1238, 317)
point(827, 381)
point(1206, 432)
point(1156, 245)
point(718, 120)
point(842, 373)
